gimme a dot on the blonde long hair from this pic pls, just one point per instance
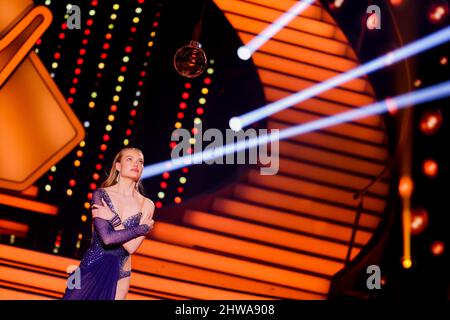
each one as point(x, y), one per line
point(113, 173)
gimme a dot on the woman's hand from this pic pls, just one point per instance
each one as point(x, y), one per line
point(103, 212)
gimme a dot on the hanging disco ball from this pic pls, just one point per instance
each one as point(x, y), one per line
point(190, 60)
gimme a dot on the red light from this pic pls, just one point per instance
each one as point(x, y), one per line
point(172, 144)
point(108, 36)
point(180, 115)
point(72, 90)
point(128, 49)
point(57, 55)
point(142, 74)
point(123, 69)
point(87, 32)
point(64, 26)
point(133, 29)
point(128, 132)
point(419, 221)
point(199, 110)
point(94, 3)
point(99, 74)
point(155, 24)
point(405, 186)
point(166, 175)
point(437, 248)
point(185, 170)
point(89, 22)
point(157, 14)
point(50, 178)
point(163, 184)
point(194, 130)
point(82, 52)
point(80, 61)
point(96, 176)
point(84, 41)
point(396, 2)
point(189, 150)
point(430, 122)
point(62, 36)
point(140, 83)
point(77, 71)
point(72, 183)
point(183, 105)
point(75, 80)
point(106, 46)
point(113, 108)
point(177, 200)
point(131, 123)
point(93, 186)
point(185, 95)
point(70, 100)
point(430, 168)
point(39, 41)
point(158, 204)
point(105, 137)
point(103, 147)
point(98, 166)
point(101, 156)
point(147, 54)
point(207, 81)
point(133, 113)
point(103, 56)
point(180, 189)
point(187, 85)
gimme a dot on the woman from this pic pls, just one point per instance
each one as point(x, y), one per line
point(122, 217)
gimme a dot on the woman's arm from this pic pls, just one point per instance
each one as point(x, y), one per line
point(147, 214)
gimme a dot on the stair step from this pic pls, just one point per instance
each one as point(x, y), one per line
point(215, 279)
point(288, 220)
point(314, 190)
point(322, 107)
point(271, 236)
point(229, 265)
point(329, 158)
point(303, 206)
point(269, 15)
point(294, 37)
point(337, 144)
point(305, 71)
point(326, 175)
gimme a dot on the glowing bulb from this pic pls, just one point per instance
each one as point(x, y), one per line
point(235, 124)
point(244, 53)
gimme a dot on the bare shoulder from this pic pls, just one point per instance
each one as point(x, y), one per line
point(148, 206)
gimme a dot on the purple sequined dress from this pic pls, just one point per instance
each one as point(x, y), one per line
point(102, 264)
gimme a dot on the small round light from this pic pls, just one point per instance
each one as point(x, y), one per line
point(244, 53)
point(430, 122)
point(83, 218)
point(405, 186)
point(437, 248)
point(406, 263)
point(430, 168)
point(53, 169)
point(183, 180)
point(48, 187)
point(161, 195)
point(235, 124)
point(69, 192)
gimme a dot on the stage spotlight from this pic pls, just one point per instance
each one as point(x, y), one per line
point(406, 263)
point(437, 248)
point(258, 41)
point(430, 168)
point(419, 221)
point(235, 124)
point(430, 122)
point(426, 43)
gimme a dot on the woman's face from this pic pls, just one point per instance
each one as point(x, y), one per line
point(131, 164)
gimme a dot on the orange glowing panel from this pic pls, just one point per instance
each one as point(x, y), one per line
point(31, 191)
point(38, 128)
point(26, 204)
point(15, 228)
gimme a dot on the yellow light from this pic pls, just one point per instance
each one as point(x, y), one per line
point(150, 44)
point(48, 187)
point(92, 12)
point(55, 65)
point(108, 127)
point(83, 218)
point(91, 104)
point(69, 192)
point(53, 169)
point(126, 59)
point(111, 117)
point(118, 88)
point(87, 205)
point(192, 140)
point(182, 180)
point(125, 142)
point(110, 26)
point(197, 121)
point(161, 195)
point(205, 90)
point(76, 163)
point(407, 263)
point(210, 70)
point(178, 125)
point(138, 10)
point(116, 98)
point(211, 61)
point(121, 78)
point(101, 65)
point(82, 143)
point(153, 34)
point(202, 100)
point(94, 95)
point(113, 16)
point(116, 7)
point(135, 19)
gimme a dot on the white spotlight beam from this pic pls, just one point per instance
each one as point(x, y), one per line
point(403, 101)
point(245, 52)
point(435, 39)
